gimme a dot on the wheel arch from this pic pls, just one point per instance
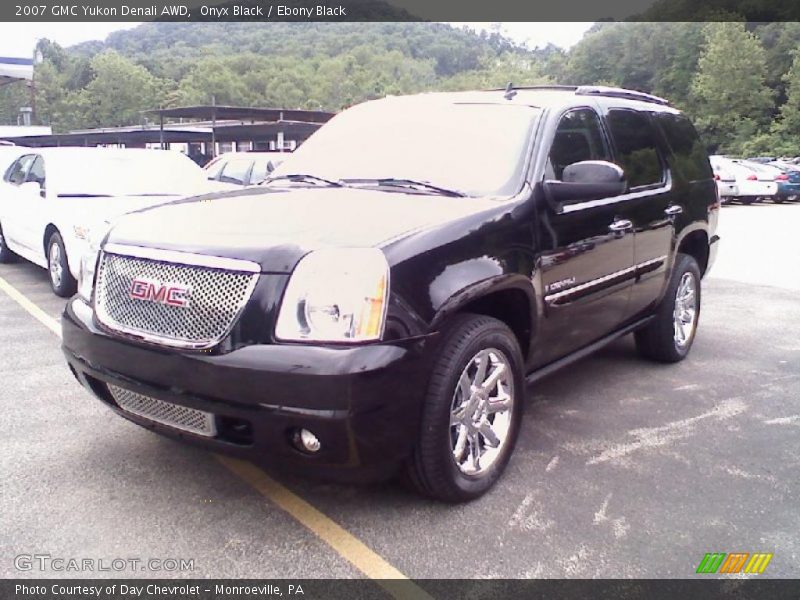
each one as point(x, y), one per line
point(48, 233)
point(695, 243)
point(508, 298)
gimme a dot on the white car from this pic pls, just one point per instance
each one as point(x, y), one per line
point(726, 182)
point(244, 168)
point(752, 185)
point(55, 202)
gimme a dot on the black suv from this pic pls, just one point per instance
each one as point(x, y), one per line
point(381, 302)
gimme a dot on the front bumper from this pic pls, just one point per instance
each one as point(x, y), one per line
point(363, 403)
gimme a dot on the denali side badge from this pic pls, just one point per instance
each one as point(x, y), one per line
point(171, 294)
point(560, 285)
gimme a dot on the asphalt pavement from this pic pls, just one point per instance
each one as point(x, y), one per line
point(624, 468)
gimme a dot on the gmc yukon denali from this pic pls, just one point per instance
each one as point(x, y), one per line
point(379, 305)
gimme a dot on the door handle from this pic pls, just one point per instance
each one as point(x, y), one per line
point(673, 210)
point(620, 225)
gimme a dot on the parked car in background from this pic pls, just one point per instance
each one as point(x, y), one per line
point(54, 200)
point(244, 168)
point(768, 173)
point(392, 315)
point(761, 159)
point(751, 185)
point(789, 180)
point(726, 181)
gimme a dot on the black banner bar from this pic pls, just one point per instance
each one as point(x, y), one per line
point(398, 10)
point(365, 589)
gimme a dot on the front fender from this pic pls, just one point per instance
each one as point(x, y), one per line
point(457, 300)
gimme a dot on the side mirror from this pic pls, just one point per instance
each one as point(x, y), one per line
point(33, 187)
point(586, 180)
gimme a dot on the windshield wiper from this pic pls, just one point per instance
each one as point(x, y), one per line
point(84, 195)
point(302, 178)
point(153, 194)
point(408, 183)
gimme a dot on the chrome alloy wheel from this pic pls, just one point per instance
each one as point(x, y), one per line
point(480, 417)
point(685, 314)
point(56, 270)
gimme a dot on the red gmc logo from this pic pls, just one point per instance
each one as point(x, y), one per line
point(170, 294)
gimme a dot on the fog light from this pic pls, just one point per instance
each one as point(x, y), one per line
point(305, 440)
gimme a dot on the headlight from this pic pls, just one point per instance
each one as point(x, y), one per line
point(94, 237)
point(336, 295)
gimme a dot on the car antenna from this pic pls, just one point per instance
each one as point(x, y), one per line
point(510, 91)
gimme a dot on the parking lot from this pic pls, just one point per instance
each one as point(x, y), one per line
point(624, 468)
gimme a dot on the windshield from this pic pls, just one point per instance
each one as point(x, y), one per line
point(130, 173)
point(476, 149)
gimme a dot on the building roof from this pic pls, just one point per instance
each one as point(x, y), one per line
point(242, 113)
point(226, 131)
point(15, 69)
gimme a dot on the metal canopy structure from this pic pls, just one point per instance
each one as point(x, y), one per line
point(15, 69)
point(241, 113)
point(282, 118)
point(121, 136)
point(218, 124)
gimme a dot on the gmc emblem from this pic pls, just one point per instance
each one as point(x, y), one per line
point(167, 293)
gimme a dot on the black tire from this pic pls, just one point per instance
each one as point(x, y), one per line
point(65, 284)
point(777, 200)
point(433, 469)
point(6, 255)
point(748, 199)
point(657, 340)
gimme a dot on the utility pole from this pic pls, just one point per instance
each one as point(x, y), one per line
point(37, 58)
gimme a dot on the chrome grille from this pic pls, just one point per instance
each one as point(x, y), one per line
point(166, 413)
point(215, 299)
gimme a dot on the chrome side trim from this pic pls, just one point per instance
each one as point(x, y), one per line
point(553, 298)
point(657, 190)
point(184, 258)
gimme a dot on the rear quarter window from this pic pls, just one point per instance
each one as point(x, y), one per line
point(637, 148)
point(688, 152)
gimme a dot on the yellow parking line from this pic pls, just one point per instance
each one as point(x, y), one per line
point(33, 310)
point(344, 543)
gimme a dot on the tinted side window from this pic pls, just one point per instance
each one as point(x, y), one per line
point(262, 167)
point(18, 171)
point(214, 167)
point(579, 136)
point(236, 171)
point(637, 149)
point(690, 155)
point(36, 172)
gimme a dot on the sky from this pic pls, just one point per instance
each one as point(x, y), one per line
point(19, 40)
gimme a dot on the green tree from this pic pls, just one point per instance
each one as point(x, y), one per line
point(786, 131)
point(731, 101)
point(120, 90)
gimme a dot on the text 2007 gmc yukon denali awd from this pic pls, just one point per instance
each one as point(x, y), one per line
point(382, 301)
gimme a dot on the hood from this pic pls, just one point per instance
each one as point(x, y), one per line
point(277, 227)
point(108, 208)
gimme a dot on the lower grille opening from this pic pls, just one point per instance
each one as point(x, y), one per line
point(173, 415)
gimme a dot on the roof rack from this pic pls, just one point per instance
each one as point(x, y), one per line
point(544, 86)
point(586, 90)
point(601, 90)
